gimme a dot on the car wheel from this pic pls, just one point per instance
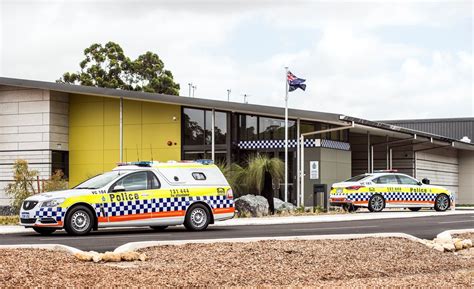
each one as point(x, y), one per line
point(442, 203)
point(197, 218)
point(44, 231)
point(414, 209)
point(350, 208)
point(376, 203)
point(79, 221)
point(159, 228)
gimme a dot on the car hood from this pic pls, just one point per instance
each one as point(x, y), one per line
point(58, 194)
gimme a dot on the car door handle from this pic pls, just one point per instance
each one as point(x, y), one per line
point(144, 195)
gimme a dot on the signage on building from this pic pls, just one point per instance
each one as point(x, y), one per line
point(314, 170)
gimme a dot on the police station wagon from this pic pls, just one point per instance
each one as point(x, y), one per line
point(153, 194)
point(385, 189)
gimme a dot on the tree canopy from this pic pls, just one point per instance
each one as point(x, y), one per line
point(108, 66)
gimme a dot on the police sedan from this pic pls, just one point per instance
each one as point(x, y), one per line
point(389, 189)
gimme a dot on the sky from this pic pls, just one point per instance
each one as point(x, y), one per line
point(370, 59)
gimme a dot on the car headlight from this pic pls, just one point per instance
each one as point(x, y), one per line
point(52, 203)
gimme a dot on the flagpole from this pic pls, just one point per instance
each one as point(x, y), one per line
point(286, 134)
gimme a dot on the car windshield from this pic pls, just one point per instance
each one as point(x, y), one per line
point(100, 180)
point(357, 178)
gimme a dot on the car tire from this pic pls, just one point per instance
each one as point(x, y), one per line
point(44, 231)
point(350, 208)
point(79, 221)
point(376, 203)
point(414, 209)
point(159, 228)
point(197, 218)
point(442, 203)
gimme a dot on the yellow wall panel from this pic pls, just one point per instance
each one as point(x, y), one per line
point(132, 112)
point(160, 113)
point(111, 137)
point(111, 156)
point(87, 114)
point(94, 134)
point(111, 111)
point(86, 137)
point(160, 134)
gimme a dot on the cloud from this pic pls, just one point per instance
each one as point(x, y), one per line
point(350, 68)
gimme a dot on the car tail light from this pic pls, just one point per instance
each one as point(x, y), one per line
point(355, 188)
point(230, 194)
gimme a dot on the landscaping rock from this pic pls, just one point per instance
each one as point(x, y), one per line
point(438, 247)
point(281, 206)
point(466, 244)
point(458, 245)
point(111, 257)
point(449, 247)
point(251, 205)
point(444, 238)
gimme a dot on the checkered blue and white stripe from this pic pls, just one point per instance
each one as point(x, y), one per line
point(160, 205)
point(393, 196)
point(279, 144)
point(56, 212)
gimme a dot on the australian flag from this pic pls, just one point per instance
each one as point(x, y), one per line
point(295, 82)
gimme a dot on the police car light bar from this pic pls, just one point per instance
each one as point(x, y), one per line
point(140, 164)
point(205, 161)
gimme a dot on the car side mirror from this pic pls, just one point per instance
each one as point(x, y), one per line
point(425, 181)
point(420, 183)
point(118, 188)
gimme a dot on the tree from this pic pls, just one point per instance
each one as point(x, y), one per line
point(108, 66)
point(23, 184)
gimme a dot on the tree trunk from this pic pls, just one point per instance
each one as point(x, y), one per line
point(267, 191)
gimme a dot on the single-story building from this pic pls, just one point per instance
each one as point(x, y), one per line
point(88, 130)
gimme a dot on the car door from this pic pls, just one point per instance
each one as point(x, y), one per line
point(388, 186)
point(129, 198)
point(414, 193)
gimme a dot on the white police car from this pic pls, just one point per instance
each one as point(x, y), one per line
point(153, 194)
point(389, 189)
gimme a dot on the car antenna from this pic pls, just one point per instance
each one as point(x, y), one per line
point(138, 157)
point(151, 153)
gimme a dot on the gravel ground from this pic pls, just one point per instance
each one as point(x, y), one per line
point(361, 262)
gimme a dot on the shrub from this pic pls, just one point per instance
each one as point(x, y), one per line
point(55, 183)
point(23, 184)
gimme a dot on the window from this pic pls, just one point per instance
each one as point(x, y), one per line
point(356, 178)
point(153, 182)
point(387, 179)
point(198, 127)
point(272, 128)
point(220, 127)
point(407, 181)
point(60, 161)
point(198, 176)
point(99, 181)
point(248, 127)
point(193, 126)
point(134, 182)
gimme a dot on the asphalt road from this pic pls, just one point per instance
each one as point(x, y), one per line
point(108, 240)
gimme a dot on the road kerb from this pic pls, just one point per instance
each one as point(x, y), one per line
point(133, 246)
point(52, 247)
